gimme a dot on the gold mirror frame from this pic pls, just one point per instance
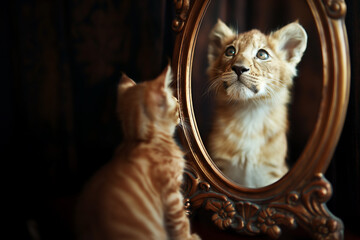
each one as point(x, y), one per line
point(300, 197)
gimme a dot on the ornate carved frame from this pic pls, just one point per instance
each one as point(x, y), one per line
point(300, 197)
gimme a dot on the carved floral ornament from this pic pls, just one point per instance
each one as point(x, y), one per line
point(335, 8)
point(303, 207)
point(182, 8)
point(299, 198)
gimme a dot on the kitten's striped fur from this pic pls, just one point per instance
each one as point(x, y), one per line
point(251, 74)
point(137, 194)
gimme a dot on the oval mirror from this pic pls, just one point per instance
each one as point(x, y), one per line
point(305, 93)
point(317, 108)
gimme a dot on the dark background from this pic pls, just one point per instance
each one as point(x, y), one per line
point(60, 63)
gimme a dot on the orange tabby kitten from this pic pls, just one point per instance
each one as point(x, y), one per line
point(251, 74)
point(137, 194)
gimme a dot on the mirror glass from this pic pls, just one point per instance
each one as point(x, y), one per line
point(306, 92)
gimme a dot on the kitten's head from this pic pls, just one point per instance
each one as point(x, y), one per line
point(148, 108)
point(252, 65)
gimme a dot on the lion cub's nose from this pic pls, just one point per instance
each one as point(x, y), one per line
point(240, 69)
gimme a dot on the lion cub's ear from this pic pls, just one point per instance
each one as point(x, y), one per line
point(218, 35)
point(292, 40)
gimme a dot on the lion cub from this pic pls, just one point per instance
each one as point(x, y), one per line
point(251, 74)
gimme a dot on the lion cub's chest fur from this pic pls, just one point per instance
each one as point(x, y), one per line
point(251, 74)
point(250, 145)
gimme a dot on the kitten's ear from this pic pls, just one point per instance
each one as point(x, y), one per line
point(125, 83)
point(292, 40)
point(165, 78)
point(168, 76)
point(218, 35)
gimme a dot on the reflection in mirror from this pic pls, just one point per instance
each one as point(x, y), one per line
point(251, 74)
point(246, 83)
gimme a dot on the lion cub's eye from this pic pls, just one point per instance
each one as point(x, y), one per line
point(230, 51)
point(262, 54)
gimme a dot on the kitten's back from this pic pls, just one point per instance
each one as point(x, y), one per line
point(137, 194)
point(121, 201)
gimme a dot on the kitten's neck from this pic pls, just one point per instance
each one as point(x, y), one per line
point(156, 137)
point(163, 139)
point(163, 142)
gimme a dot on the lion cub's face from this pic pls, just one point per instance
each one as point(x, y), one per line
point(252, 65)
